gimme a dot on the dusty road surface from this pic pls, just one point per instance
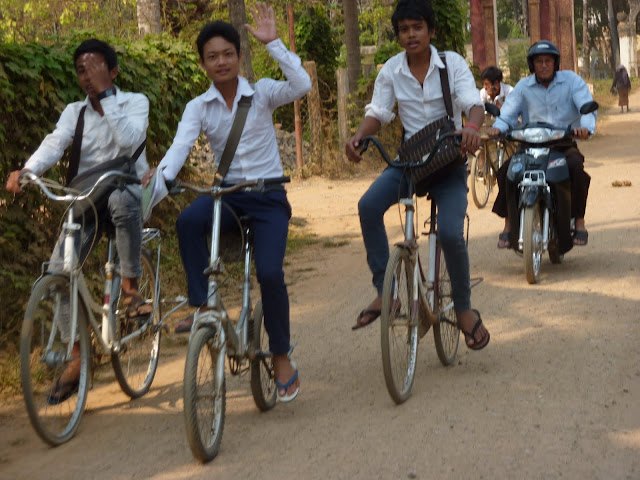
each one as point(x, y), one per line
point(555, 395)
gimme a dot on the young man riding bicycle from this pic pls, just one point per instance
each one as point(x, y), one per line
point(411, 79)
point(115, 125)
point(256, 157)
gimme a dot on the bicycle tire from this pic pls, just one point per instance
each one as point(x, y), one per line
point(446, 334)
point(399, 326)
point(262, 378)
point(54, 423)
point(136, 362)
point(204, 411)
point(532, 243)
point(480, 178)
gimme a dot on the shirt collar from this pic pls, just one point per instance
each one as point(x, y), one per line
point(436, 62)
point(244, 88)
point(531, 80)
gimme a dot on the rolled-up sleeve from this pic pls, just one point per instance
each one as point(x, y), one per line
point(383, 99)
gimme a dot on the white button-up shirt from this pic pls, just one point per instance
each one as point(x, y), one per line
point(257, 155)
point(505, 89)
point(419, 105)
point(119, 132)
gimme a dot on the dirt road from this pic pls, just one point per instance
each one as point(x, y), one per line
point(555, 394)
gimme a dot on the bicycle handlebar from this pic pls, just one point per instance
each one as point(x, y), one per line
point(395, 163)
point(258, 186)
point(30, 177)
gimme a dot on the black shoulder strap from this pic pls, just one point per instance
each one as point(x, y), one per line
point(444, 80)
point(76, 146)
point(234, 138)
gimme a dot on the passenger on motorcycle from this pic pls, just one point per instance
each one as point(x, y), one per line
point(555, 97)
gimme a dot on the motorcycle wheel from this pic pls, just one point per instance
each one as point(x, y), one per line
point(554, 245)
point(532, 239)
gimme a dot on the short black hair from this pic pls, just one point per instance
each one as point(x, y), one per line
point(492, 73)
point(218, 29)
point(93, 45)
point(413, 10)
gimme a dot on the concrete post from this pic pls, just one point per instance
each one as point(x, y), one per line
point(477, 34)
point(534, 21)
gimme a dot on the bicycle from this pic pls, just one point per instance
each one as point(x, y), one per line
point(484, 165)
point(411, 300)
point(61, 291)
point(214, 337)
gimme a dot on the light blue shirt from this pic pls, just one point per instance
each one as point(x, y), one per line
point(559, 104)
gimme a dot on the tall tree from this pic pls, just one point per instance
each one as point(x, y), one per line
point(238, 18)
point(613, 28)
point(352, 42)
point(149, 15)
point(585, 40)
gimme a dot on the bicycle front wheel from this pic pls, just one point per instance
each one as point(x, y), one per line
point(136, 362)
point(43, 351)
point(399, 333)
point(204, 395)
point(263, 385)
point(480, 178)
point(445, 332)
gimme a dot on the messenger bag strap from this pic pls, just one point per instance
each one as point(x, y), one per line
point(76, 146)
point(234, 138)
point(444, 80)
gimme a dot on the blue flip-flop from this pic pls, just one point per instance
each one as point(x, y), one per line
point(285, 386)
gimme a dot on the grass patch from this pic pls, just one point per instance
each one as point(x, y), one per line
point(300, 239)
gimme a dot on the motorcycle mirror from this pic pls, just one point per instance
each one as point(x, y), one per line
point(492, 109)
point(589, 107)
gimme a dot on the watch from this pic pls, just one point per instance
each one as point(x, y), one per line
point(107, 93)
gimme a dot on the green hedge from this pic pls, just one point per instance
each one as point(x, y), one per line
point(36, 82)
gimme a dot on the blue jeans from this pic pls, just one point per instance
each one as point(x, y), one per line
point(450, 196)
point(270, 213)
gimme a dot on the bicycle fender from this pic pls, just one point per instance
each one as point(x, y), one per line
point(529, 197)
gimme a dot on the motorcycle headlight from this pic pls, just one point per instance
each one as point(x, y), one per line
point(537, 135)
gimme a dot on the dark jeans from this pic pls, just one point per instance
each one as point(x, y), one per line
point(270, 213)
point(580, 181)
point(451, 197)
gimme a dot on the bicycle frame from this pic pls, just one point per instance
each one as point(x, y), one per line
point(78, 289)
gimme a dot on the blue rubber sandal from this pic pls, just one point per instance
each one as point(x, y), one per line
point(285, 386)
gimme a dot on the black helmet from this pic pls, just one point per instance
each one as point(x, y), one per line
point(543, 47)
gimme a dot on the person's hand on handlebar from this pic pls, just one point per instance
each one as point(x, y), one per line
point(352, 149)
point(470, 141)
point(493, 132)
point(581, 133)
point(13, 182)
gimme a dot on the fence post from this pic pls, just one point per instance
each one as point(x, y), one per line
point(343, 107)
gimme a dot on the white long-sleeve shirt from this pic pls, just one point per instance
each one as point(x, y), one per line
point(257, 154)
point(119, 132)
point(419, 105)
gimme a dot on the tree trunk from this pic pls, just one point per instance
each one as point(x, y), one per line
point(585, 40)
point(149, 17)
point(352, 42)
point(613, 27)
point(525, 18)
point(238, 18)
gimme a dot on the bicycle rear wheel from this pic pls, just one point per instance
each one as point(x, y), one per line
point(445, 331)
point(480, 178)
point(263, 385)
point(204, 398)
point(136, 362)
point(43, 359)
point(399, 334)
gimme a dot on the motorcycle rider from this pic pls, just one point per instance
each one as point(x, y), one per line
point(552, 96)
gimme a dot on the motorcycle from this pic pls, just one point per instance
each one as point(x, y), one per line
point(538, 190)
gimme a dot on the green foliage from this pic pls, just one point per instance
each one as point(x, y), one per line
point(387, 50)
point(450, 20)
point(517, 60)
